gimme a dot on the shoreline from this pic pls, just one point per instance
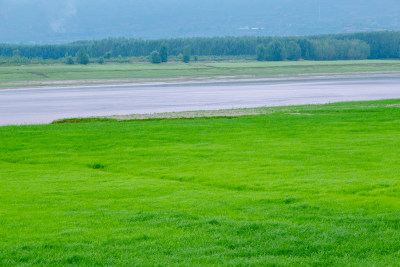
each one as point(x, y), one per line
point(293, 110)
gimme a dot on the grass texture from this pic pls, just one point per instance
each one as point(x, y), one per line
point(305, 186)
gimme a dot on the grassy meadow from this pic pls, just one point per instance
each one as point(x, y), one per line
point(315, 185)
point(29, 73)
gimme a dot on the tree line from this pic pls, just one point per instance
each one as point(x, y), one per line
point(368, 45)
point(323, 49)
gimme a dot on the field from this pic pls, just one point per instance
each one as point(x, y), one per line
point(143, 71)
point(305, 186)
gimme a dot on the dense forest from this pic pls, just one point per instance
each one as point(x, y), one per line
point(369, 45)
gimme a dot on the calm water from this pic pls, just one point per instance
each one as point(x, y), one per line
point(37, 106)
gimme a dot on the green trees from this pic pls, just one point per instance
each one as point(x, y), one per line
point(358, 50)
point(398, 55)
point(260, 52)
point(180, 57)
point(155, 57)
point(275, 51)
point(278, 50)
point(161, 56)
point(82, 57)
point(187, 53)
point(306, 48)
point(339, 49)
point(293, 51)
point(373, 45)
point(382, 44)
point(69, 60)
point(16, 53)
point(108, 55)
point(164, 53)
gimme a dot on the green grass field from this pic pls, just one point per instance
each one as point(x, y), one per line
point(29, 73)
point(303, 186)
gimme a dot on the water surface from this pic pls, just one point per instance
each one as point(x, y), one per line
point(38, 106)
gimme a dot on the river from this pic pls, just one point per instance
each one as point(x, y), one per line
point(43, 105)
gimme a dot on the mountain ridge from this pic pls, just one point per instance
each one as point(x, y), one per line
point(41, 21)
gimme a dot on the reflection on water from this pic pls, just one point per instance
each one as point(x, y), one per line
point(27, 106)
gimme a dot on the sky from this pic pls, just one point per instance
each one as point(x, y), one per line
point(61, 21)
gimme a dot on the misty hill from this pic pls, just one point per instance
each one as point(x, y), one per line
point(61, 21)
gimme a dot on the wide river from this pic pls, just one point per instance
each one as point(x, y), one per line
point(43, 105)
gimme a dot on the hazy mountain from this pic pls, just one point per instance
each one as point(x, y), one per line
point(59, 21)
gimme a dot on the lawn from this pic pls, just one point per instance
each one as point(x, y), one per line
point(310, 185)
point(29, 73)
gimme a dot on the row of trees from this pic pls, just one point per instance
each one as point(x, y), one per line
point(383, 44)
point(81, 58)
point(161, 56)
point(330, 49)
point(278, 51)
point(373, 45)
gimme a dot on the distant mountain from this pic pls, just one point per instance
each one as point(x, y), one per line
point(61, 21)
